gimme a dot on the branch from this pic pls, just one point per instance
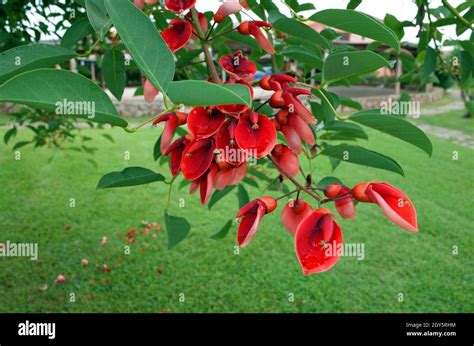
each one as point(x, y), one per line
point(293, 180)
point(457, 14)
point(210, 63)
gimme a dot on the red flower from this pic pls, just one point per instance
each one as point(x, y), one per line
point(179, 6)
point(294, 213)
point(314, 235)
point(176, 150)
point(178, 34)
point(393, 202)
point(139, 3)
point(172, 120)
point(276, 82)
point(288, 99)
point(205, 184)
point(253, 28)
point(250, 216)
point(286, 159)
point(245, 4)
point(197, 158)
point(226, 9)
point(256, 133)
point(294, 129)
point(229, 151)
point(236, 110)
point(149, 91)
point(238, 67)
point(203, 23)
point(205, 122)
point(229, 175)
point(345, 206)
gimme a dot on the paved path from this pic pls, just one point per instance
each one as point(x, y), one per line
point(454, 136)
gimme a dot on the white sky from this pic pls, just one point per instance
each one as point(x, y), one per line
point(401, 9)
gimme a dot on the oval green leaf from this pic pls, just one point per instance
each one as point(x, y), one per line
point(222, 232)
point(98, 18)
point(358, 23)
point(344, 65)
point(198, 93)
point(394, 126)
point(143, 41)
point(131, 176)
point(298, 29)
point(62, 92)
point(76, 32)
point(113, 67)
point(30, 57)
point(177, 228)
point(362, 156)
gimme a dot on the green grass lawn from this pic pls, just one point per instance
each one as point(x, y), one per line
point(452, 120)
point(35, 202)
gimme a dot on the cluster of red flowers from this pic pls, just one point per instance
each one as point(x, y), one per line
point(243, 132)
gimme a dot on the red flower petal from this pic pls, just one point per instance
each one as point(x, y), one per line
point(178, 34)
point(298, 108)
point(226, 9)
point(207, 183)
point(205, 122)
point(261, 38)
point(292, 139)
point(345, 207)
point(149, 91)
point(176, 150)
point(303, 130)
point(229, 151)
point(256, 134)
point(312, 234)
point(197, 158)
point(394, 204)
point(287, 160)
point(179, 6)
point(237, 66)
point(254, 211)
point(229, 176)
point(294, 213)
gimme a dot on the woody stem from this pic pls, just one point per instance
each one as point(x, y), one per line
point(205, 47)
point(338, 198)
point(288, 194)
point(293, 180)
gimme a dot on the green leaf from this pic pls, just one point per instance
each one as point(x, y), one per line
point(30, 57)
point(353, 4)
point(218, 195)
point(131, 176)
point(113, 66)
point(296, 28)
point(467, 68)
point(358, 23)
point(348, 102)
point(156, 149)
point(143, 41)
point(344, 65)
point(325, 182)
point(98, 18)
point(429, 65)
point(222, 232)
point(303, 55)
point(363, 156)
point(76, 32)
point(48, 89)
point(20, 144)
point(346, 128)
point(177, 228)
point(394, 126)
point(243, 196)
point(200, 93)
point(394, 24)
point(9, 134)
